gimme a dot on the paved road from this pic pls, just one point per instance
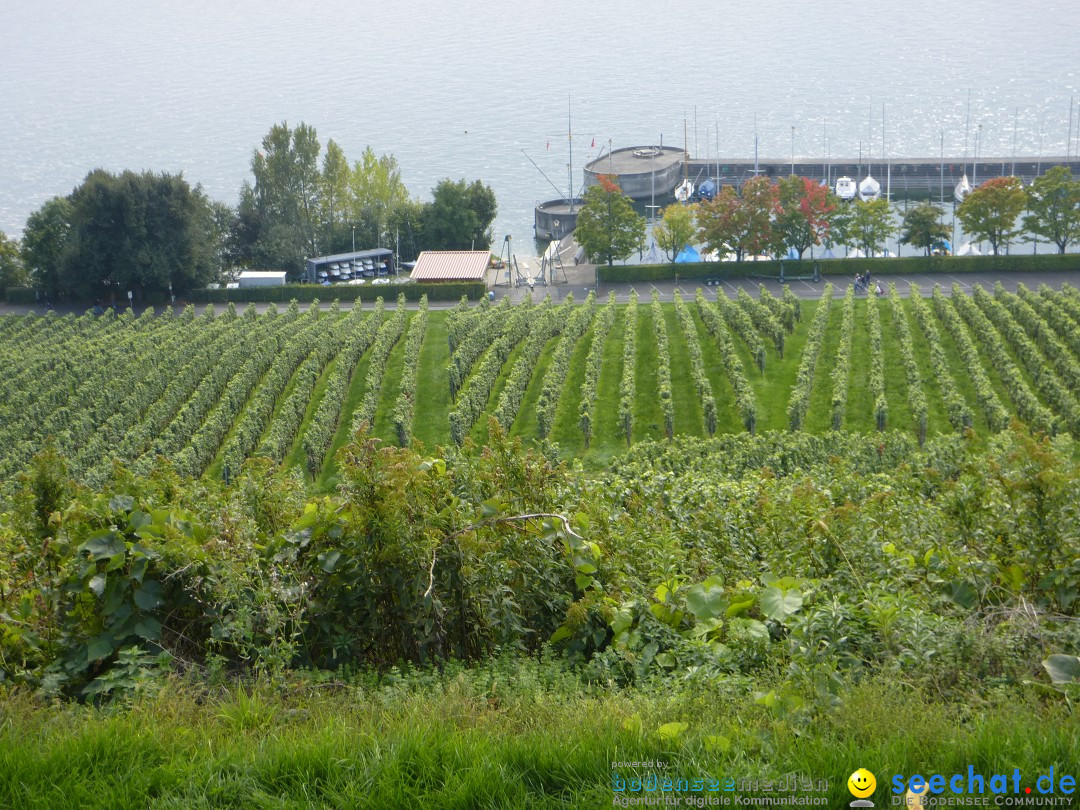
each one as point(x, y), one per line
point(581, 279)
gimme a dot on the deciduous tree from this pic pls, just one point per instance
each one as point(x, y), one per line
point(871, 225)
point(12, 272)
point(1053, 203)
point(45, 238)
point(459, 216)
point(608, 227)
point(804, 215)
point(990, 211)
point(675, 229)
point(923, 227)
point(740, 224)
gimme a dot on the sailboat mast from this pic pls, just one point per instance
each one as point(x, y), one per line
point(570, 165)
point(888, 166)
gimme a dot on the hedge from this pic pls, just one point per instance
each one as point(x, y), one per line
point(907, 265)
point(474, 291)
point(21, 295)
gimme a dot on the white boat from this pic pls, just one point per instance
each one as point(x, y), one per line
point(845, 188)
point(969, 249)
point(963, 188)
point(684, 191)
point(869, 189)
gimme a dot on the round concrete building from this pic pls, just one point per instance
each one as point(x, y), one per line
point(642, 172)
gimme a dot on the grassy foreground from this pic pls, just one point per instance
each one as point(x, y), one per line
point(512, 733)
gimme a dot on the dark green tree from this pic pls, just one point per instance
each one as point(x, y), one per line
point(280, 212)
point(608, 227)
point(138, 232)
point(44, 241)
point(923, 227)
point(459, 216)
point(1053, 203)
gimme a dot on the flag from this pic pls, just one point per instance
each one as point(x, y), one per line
point(593, 144)
point(549, 144)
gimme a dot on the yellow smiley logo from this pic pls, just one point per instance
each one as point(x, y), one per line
point(861, 783)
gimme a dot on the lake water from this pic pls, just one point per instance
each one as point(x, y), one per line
point(466, 89)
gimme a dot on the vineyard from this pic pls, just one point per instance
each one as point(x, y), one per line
point(592, 376)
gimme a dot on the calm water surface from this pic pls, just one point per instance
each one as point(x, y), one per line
point(461, 89)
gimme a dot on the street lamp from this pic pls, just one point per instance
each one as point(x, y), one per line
point(793, 149)
point(354, 239)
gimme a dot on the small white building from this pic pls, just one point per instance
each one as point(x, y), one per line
point(261, 278)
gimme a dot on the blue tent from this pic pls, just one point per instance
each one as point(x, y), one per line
point(687, 254)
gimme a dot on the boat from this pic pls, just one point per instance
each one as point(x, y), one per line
point(845, 188)
point(963, 188)
point(684, 191)
point(969, 249)
point(869, 189)
point(707, 189)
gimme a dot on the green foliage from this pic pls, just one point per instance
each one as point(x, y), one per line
point(459, 216)
point(675, 229)
point(959, 413)
point(627, 388)
point(576, 325)
point(990, 211)
point(739, 321)
point(542, 329)
point(385, 340)
point(697, 363)
point(663, 371)
point(44, 243)
point(923, 227)
point(405, 407)
point(593, 365)
point(877, 368)
point(920, 411)
point(871, 225)
point(807, 210)
point(842, 366)
point(763, 319)
point(310, 292)
point(608, 228)
point(1053, 203)
point(740, 223)
point(800, 393)
point(714, 323)
point(12, 272)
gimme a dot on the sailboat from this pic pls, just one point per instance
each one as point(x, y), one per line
point(685, 190)
point(963, 188)
point(869, 188)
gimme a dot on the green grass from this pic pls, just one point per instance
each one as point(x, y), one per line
point(566, 430)
point(352, 402)
point(608, 438)
point(525, 424)
point(819, 412)
point(383, 427)
point(689, 418)
point(498, 736)
point(431, 425)
point(296, 454)
point(648, 416)
point(727, 415)
point(860, 405)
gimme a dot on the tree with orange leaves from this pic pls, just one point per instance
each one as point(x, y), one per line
point(805, 213)
point(740, 223)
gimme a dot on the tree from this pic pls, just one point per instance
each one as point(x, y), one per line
point(139, 232)
point(740, 224)
point(44, 241)
point(280, 212)
point(840, 220)
point(923, 227)
point(376, 192)
point(805, 213)
point(871, 225)
point(12, 272)
point(990, 211)
point(334, 199)
point(675, 229)
point(459, 216)
point(1053, 202)
point(608, 227)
